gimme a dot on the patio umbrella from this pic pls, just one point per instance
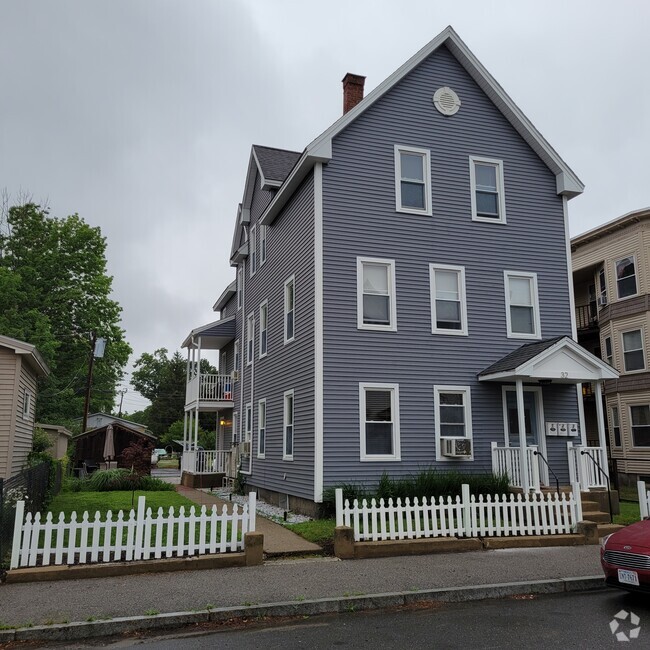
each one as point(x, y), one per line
point(109, 444)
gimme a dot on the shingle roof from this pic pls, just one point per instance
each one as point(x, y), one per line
point(520, 355)
point(275, 163)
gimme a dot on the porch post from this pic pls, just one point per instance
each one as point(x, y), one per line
point(196, 428)
point(600, 417)
point(189, 428)
point(185, 431)
point(198, 365)
point(523, 452)
point(187, 370)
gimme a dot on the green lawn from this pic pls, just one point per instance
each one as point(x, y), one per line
point(79, 502)
point(168, 463)
point(629, 513)
point(319, 531)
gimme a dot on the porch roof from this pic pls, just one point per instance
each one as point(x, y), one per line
point(559, 359)
point(213, 335)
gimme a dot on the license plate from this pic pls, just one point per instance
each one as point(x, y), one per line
point(628, 577)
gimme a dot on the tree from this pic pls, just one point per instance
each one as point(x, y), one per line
point(162, 380)
point(54, 293)
point(207, 439)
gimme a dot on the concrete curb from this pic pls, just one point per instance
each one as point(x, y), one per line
point(94, 629)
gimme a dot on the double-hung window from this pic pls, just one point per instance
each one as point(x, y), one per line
point(253, 250)
point(263, 235)
point(288, 425)
point(236, 356)
point(453, 414)
point(27, 404)
point(602, 286)
point(379, 410)
point(626, 277)
point(264, 326)
point(290, 309)
point(412, 180)
point(249, 422)
point(633, 356)
point(235, 427)
point(640, 418)
point(376, 308)
point(487, 189)
point(522, 305)
point(616, 426)
point(261, 428)
point(250, 339)
point(448, 306)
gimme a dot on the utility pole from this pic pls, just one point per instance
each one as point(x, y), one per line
point(89, 381)
point(122, 392)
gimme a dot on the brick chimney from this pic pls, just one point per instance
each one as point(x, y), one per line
point(352, 91)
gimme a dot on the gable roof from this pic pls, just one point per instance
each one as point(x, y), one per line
point(32, 355)
point(559, 359)
point(320, 149)
point(274, 164)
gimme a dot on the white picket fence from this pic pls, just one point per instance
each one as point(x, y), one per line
point(131, 535)
point(464, 516)
point(644, 499)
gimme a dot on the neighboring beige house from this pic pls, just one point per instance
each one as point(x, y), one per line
point(611, 277)
point(59, 436)
point(20, 367)
point(97, 420)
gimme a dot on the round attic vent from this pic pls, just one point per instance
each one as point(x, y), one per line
point(446, 101)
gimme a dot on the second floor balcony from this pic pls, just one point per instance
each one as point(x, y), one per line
point(587, 317)
point(210, 390)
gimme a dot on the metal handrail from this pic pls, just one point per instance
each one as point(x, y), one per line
point(557, 480)
point(609, 488)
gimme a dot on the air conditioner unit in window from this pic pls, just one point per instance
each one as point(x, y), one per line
point(602, 301)
point(245, 448)
point(235, 375)
point(456, 447)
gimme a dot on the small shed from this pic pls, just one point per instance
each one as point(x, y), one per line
point(59, 436)
point(89, 446)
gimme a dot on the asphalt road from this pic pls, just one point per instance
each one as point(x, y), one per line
point(559, 621)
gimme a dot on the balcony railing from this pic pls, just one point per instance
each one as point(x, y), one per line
point(209, 388)
point(207, 461)
point(587, 316)
point(588, 466)
point(506, 460)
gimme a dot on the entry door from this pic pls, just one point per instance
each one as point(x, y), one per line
point(531, 410)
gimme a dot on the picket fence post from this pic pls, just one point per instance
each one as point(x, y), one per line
point(339, 506)
point(18, 531)
point(578, 499)
point(643, 499)
point(467, 510)
point(139, 529)
point(252, 511)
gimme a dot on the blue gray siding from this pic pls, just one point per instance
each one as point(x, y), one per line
point(290, 245)
point(360, 220)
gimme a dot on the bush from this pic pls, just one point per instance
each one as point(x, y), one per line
point(137, 456)
point(109, 480)
point(40, 441)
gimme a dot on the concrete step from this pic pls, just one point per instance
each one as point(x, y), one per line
point(606, 529)
point(590, 506)
point(596, 516)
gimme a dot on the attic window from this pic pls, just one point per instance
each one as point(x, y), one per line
point(446, 101)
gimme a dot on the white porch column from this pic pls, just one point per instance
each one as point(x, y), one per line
point(187, 370)
point(198, 365)
point(185, 431)
point(600, 417)
point(523, 453)
point(196, 428)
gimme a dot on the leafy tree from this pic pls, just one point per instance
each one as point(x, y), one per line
point(162, 380)
point(54, 292)
point(207, 439)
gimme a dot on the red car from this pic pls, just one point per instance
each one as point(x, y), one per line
point(625, 556)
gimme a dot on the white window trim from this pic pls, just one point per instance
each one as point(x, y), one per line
point(262, 306)
point(392, 293)
point(616, 408)
point(236, 356)
point(397, 452)
point(467, 404)
point(604, 349)
point(253, 250)
point(291, 280)
point(27, 404)
point(286, 456)
point(427, 180)
point(645, 363)
point(261, 454)
point(537, 334)
point(263, 248)
point(463, 331)
point(473, 160)
point(636, 276)
point(240, 281)
point(629, 413)
point(250, 353)
point(235, 427)
point(248, 423)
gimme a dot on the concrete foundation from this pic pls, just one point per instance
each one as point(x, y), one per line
point(198, 481)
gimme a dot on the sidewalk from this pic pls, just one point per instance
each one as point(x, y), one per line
point(285, 580)
point(278, 540)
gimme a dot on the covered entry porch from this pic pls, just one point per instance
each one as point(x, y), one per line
point(523, 375)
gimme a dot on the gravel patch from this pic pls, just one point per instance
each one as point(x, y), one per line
point(274, 513)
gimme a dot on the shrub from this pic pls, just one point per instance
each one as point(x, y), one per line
point(40, 441)
point(108, 480)
point(137, 456)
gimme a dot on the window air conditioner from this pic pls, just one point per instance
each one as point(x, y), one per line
point(602, 301)
point(245, 448)
point(456, 447)
point(235, 375)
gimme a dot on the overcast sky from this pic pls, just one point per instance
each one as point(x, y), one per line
point(139, 115)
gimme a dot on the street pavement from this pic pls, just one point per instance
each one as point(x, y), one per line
point(284, 580)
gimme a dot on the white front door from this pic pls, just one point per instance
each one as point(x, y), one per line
point(534, 417)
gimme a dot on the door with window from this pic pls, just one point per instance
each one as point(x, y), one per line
point(534, 421)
